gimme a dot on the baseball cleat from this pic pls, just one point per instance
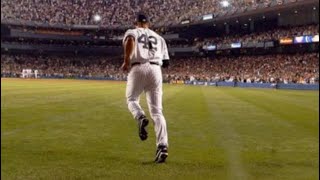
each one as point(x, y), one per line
point(161, 154)
point(143, 123)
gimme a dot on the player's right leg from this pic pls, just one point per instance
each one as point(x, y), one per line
point(135, 86)
point(154, 99)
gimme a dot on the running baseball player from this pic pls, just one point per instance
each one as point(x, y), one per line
point(144, 54)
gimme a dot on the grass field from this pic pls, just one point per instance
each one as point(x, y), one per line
point(66, 129)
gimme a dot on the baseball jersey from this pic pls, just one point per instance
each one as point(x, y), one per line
point(149, 46)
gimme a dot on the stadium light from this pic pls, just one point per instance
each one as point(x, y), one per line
point(225, 3)
point(97, 18)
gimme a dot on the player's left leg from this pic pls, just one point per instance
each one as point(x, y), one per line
point(135, 86)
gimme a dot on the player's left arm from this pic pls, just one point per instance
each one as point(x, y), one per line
point(165, 60)
point(129, 44)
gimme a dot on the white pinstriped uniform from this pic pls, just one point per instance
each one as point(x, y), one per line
point(147, 78)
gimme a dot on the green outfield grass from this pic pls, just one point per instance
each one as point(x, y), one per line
point(68, 129)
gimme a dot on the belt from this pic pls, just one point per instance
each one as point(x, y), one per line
point(137, 63)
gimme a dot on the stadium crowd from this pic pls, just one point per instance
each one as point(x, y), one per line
point(299, 68)
point(62, 67)
point(271, 35)
point(121, 12)
point(249, 69)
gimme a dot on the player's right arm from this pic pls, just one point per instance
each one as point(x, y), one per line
point(128, 50)
point(128, 44)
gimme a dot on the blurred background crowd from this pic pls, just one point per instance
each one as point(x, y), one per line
point(296, 68)
point(278, 64)
point(121, 12)
point(271, 35)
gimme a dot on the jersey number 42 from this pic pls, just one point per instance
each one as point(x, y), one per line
point(148, 42)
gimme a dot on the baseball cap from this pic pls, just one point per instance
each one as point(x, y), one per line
point(142, 18)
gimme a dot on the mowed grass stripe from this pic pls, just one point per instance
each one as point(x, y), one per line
point(40, 107)
point(225, 133)
point(297, 115)
point(49, 96)
point(303, 99)
point(39, 87)
point(190, 135)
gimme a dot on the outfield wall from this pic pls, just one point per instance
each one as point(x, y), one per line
point(256, 85)
point(237, 84)
point(314, 87)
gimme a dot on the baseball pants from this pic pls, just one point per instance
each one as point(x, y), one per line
point(147, 78)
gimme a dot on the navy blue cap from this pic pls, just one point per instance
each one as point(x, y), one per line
point(142, 18)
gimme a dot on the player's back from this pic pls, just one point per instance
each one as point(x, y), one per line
point(149, 45)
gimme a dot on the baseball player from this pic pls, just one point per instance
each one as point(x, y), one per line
point(144, 54)
point(36, 72)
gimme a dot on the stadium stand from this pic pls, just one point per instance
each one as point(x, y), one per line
point(52, 35)
point(121, 12)
point(301, 68)
point(271, 35)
